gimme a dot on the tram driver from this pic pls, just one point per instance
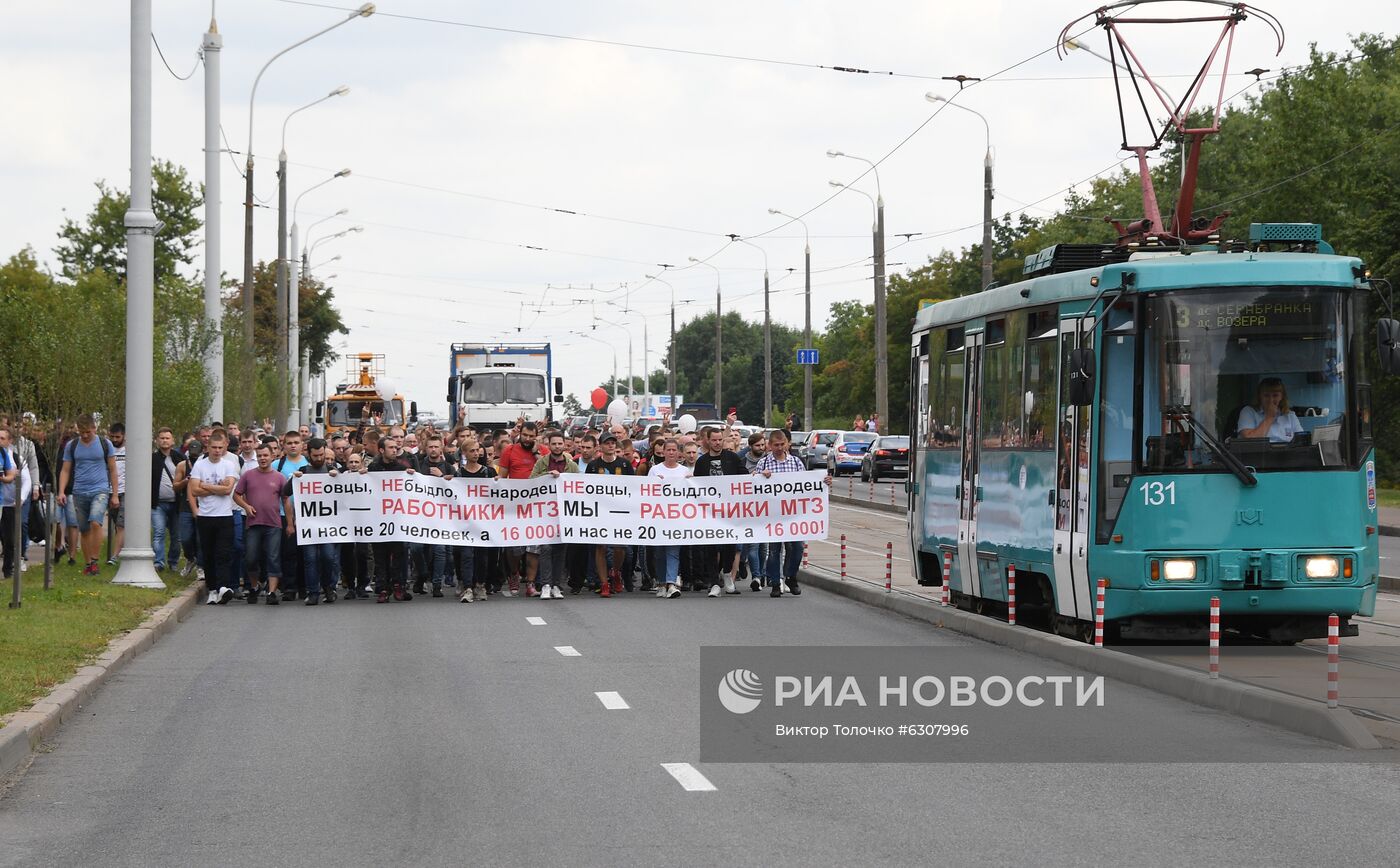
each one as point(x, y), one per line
point(1270, 415)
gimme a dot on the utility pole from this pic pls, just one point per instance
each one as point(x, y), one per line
point(807, 342)
point(138, 559)
point(986, 217)
point(245, 407)
point(767, 351)
point(213, 306)
point(882, 362)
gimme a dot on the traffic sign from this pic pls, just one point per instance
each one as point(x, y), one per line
point(808, 357)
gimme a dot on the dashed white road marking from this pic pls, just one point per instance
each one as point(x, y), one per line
point(612, 700)
point(534, 621)
point(689, 777)
point(567, 650)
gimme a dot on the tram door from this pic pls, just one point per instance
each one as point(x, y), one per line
point(969, 492)
point(1073, 596)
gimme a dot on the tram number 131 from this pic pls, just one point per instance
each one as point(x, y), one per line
point(1157, 493)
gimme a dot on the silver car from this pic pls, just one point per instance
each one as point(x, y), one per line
point(819, 442)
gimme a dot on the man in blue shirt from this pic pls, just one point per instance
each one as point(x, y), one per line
point(89, 475)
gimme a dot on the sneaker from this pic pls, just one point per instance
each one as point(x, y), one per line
point(605, 588)
point(198, 572)
point(437, 590)
point(513, 592)
point(776, 592)
point(530, 590)
point(273, 599)
point(714, 590)
point(112, 561)
point(24, 566)
point(647, 584)
point(479, 591)
point(329, 596)
point(362, 594)
point(729, 586)
point(467, 597)
point(661, 591)
point(382, 597)
point(419, 589)
point(213, 598)
point(289, 596)
point(793, 588)
point(616, 582)
point(671, 592)
point(225, 594)
point(398, 593)
point(785, 586)
point(252, 597)
point(558, 594)
point(576, 589)
point(754, 586)
point(184, 571)
point(312, 600)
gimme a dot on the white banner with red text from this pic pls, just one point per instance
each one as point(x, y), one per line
point(575, 508)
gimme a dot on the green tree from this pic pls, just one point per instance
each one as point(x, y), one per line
point(99, 242)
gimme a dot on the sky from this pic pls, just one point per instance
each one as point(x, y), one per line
point(471, 135)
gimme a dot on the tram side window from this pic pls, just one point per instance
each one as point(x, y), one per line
point(1040, 385)
point(1002, 370)
point(945, 388)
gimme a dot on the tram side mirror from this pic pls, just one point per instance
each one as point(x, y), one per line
point(559, 390)
point(1081, 377)
point(1388, 345)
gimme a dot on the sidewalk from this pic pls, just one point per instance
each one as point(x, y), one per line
point(1389, 520)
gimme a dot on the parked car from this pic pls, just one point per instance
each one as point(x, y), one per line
point(799, 444)
point(577, 425)
point(847, 450)
point(818, 444)
point(889, 456)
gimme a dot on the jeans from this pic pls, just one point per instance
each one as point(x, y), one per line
point(471, 566)
point(165, 533)
point(216, 542)
point(262, 553)
point(778, 552)
point(753, 553)
point(553, 559)
point(429, 561)
point(292, 579)
point(237, 573)
point(24, 530)
point(189, 539)
point(322, 563)
point(671, 555)
point(390, 565)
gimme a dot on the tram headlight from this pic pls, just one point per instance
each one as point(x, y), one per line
point(1322, 567)
point(1179, 569)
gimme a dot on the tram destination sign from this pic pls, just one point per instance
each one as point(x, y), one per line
point(1262, 315)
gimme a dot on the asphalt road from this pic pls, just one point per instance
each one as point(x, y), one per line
point(434, 733)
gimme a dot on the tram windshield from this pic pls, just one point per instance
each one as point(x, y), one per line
point(1260, 373)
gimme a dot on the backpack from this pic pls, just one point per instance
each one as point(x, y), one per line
point(68, 456)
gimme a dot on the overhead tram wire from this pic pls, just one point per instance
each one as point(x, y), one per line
point(199, 61)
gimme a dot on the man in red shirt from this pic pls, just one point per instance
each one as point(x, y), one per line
point(518, 461)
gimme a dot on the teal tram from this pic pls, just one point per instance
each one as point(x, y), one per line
point(1183, 422)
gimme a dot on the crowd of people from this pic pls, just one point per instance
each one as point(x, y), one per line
point(222, 504)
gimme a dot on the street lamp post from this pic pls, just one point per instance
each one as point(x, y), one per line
point(630, 379)
point(986, 189)
point(287, 353)
point(293, 342)
point(767, 336)
point(246, 408)
point(609, 346)
point(807, 329)
point(882, 364)
point(137, 567)
point(719, 338)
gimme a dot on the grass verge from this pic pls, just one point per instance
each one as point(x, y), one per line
point(56, 632)
point(1388, 496)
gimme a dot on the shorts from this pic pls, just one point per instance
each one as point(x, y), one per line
point(532, 550)
point(68, 513)
point(90, 508)
point(517, 551)
point(120, 512)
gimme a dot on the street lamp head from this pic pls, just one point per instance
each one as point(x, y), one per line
point(364, 11)
point(774, 211)
point(340, 91)
point(342, 173)
point(835, 184)
point(341, 213)
point(835, 154)
point(355, 229)
point(692, 259)
point(935, 97)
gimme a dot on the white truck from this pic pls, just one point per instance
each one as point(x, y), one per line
point(493, 385)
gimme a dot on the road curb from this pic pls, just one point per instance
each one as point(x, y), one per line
point(842, 499)
point(1337, 725)
point(27, 729)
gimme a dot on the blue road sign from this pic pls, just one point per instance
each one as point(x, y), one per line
point(808, 357)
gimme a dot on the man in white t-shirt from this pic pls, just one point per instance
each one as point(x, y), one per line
point(117, 434)
point(211, 494)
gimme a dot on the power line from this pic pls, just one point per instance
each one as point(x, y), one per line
point(199, 59)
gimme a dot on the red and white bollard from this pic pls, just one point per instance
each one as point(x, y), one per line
point(1011, 594)
point(1334, 656)
point(804, 556)
point(850, 486)
point(889, 565)
point(1098, 613)
point(1214, 637)
point(872, 489)
point(893, 502)
point(843, 556)
point(947, 577)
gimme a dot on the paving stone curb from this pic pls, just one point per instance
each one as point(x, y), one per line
point(1337, 725)
point(27, 729)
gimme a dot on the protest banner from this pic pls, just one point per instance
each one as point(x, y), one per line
point(706, 510)
point(575, 508)
point(413, 507)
